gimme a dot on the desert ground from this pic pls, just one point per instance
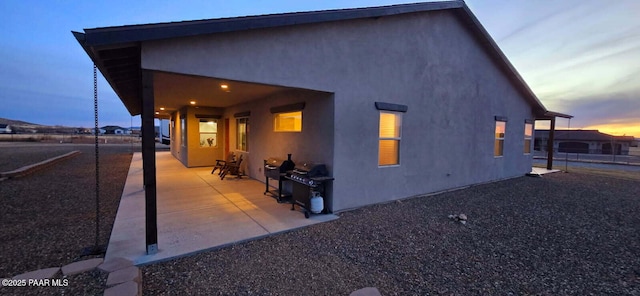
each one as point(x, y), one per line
point(561, 234)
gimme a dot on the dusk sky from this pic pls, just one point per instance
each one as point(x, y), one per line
point(580, 57)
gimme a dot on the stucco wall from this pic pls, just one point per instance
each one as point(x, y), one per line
point(314, 143)
point(192, 154)
point(427, 61)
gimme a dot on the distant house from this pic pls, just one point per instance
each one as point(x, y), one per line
point(115, 130)
point(5, 129)
point(135, 131)
point(583, 141)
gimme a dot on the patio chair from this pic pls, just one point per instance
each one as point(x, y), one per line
point(232, 168)
point(221, 163)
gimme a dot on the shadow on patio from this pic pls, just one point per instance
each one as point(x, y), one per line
point(196, 211)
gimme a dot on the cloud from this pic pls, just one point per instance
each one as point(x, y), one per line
point(621, 110)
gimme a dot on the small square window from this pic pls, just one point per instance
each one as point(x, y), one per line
point(288, 122)
point(208, 129)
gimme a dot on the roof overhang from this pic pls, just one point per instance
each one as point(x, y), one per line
point(551, 115)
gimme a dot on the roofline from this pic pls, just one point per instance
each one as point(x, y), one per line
point(551, 114)
point(148, 32)
point(133, 35)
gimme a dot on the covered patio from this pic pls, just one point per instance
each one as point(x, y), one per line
point(196, 211)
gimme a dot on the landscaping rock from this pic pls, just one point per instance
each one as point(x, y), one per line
point(131, 273)
point(81, 266)
point(115, 264)
point(368, 291)
point(46, 273)
point(124, 289)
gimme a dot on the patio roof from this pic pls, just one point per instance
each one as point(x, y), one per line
point(116, 50)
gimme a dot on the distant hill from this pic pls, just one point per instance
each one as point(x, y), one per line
point(19, 126)
point(23, 127)
point(18, 123)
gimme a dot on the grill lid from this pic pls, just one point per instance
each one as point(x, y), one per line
point(311, 169)
point(274, 163)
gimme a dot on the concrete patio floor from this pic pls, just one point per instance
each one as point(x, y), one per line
point(196, 211)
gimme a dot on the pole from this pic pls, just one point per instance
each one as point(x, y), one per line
point(566, 158)
point(552, 130)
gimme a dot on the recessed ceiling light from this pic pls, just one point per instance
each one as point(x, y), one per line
point(192, 102)
point(157, 113)
point(162, 108)
point(224, 86)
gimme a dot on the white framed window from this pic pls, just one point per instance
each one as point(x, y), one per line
point(288, 122)
point(390, 134)
point(498, 149)
point(208, 129)
point(242, 134)
point(528, 134)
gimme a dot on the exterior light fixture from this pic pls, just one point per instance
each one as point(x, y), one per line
point(162, 108)
point(157, 112)
point(224, 86)
point(192, 102)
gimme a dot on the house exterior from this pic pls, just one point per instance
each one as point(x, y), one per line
point(584, 142)
point(5, 129)
point(114, 130)
point(397, 101)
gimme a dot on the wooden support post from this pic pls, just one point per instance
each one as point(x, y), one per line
point(552, 131)
point(149, 163)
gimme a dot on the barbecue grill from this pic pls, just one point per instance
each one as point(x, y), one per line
point(277, 169)
point(308, 177)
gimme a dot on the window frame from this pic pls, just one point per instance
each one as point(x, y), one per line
point(398, 138)
point(246, 134)
point(280, 130)
point(498, 139)
point(201, 133)
point(528, 138)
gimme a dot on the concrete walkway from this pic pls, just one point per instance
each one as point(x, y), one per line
point(542, 171)
point(196, 211)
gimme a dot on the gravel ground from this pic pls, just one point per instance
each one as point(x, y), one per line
point(576, 233)
point(563, 234)
point(12, 157)
point(48, 217)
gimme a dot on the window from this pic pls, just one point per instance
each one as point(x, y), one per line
point(208, 133)
point(242, 131)
point(288, 122)
point(498, 149)
point(183, 131)
point(528, 133)
point(389, 138)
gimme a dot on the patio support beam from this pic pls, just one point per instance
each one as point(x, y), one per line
point(552, 131)
point(149, 163)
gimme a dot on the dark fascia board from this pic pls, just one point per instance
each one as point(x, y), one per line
point(147, 32)
point(134, 108)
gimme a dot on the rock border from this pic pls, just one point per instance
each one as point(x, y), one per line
point(124, 278)
point(25, 170)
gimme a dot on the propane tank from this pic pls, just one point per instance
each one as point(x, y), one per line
point(317, 202)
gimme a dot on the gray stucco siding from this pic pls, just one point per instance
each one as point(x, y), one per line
point(427, 61)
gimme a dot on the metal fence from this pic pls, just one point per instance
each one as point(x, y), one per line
point(69, 138)
point(632, 158)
